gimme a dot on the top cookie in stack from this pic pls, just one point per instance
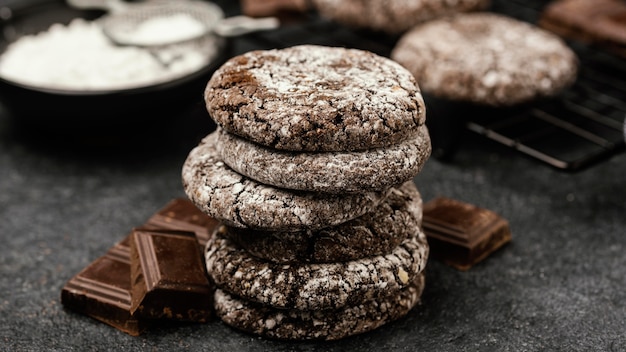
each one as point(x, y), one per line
point(317, 99)
point(316, 148)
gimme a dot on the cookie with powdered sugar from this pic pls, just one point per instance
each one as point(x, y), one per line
point(293, 324)
point(330, 172)
point(392, 16)
point(395, 219)
point(316, 98)
point(238, 201)
point(313, 286)
point(486, 59)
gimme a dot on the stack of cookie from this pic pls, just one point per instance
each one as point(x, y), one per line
point(310, 171)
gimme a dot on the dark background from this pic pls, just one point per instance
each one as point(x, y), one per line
point(558, 286)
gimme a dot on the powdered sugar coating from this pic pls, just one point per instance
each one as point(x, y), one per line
point(331, 172)
point(295, 324)
point(316, 98)
point(486, 58)
point(393, 16)
point(314, 286)
point(241, 202)
point(397, 218)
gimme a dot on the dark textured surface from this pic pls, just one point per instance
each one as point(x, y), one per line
point(559, 286)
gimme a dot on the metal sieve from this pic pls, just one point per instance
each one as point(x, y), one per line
point(124, 19)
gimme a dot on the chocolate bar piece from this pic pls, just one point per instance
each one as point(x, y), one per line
point(462, 234)
point(598, 22)
point(102, 290)
point(182, 214)
point(168, 277)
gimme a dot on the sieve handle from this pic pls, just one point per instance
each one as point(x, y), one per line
point(238, 25)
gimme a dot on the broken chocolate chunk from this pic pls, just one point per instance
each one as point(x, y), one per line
point(168, 277)
point(461, 234)
point(131, 296)
point(182, 214)
point(102, 290)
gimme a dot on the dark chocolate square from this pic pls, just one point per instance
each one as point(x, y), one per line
point(168, 277)
point(130, 296)
point(182, 214)
point(461, 234)
point(102, 290)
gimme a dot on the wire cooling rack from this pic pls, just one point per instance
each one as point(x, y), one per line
point(579, 127)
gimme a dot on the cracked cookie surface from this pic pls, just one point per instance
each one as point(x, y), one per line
point(295, 324)
point(395, 219)
point(318, 285)
point(316, 98)
point(392, 16)
point(487, 59)
point(241, 202)
point(331, 172)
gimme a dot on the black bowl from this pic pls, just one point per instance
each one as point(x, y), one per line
point(103, 111)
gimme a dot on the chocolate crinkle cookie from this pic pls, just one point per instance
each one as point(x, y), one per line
point(316, 98)
point(393, 16)
point(486, 59)
point(294, 324)
point(329, 172)
point(314, 286)
point(376, 233)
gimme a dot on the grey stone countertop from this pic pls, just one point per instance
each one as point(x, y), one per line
point(558, 286)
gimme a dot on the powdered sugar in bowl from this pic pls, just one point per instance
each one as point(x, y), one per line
point(58, 69)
